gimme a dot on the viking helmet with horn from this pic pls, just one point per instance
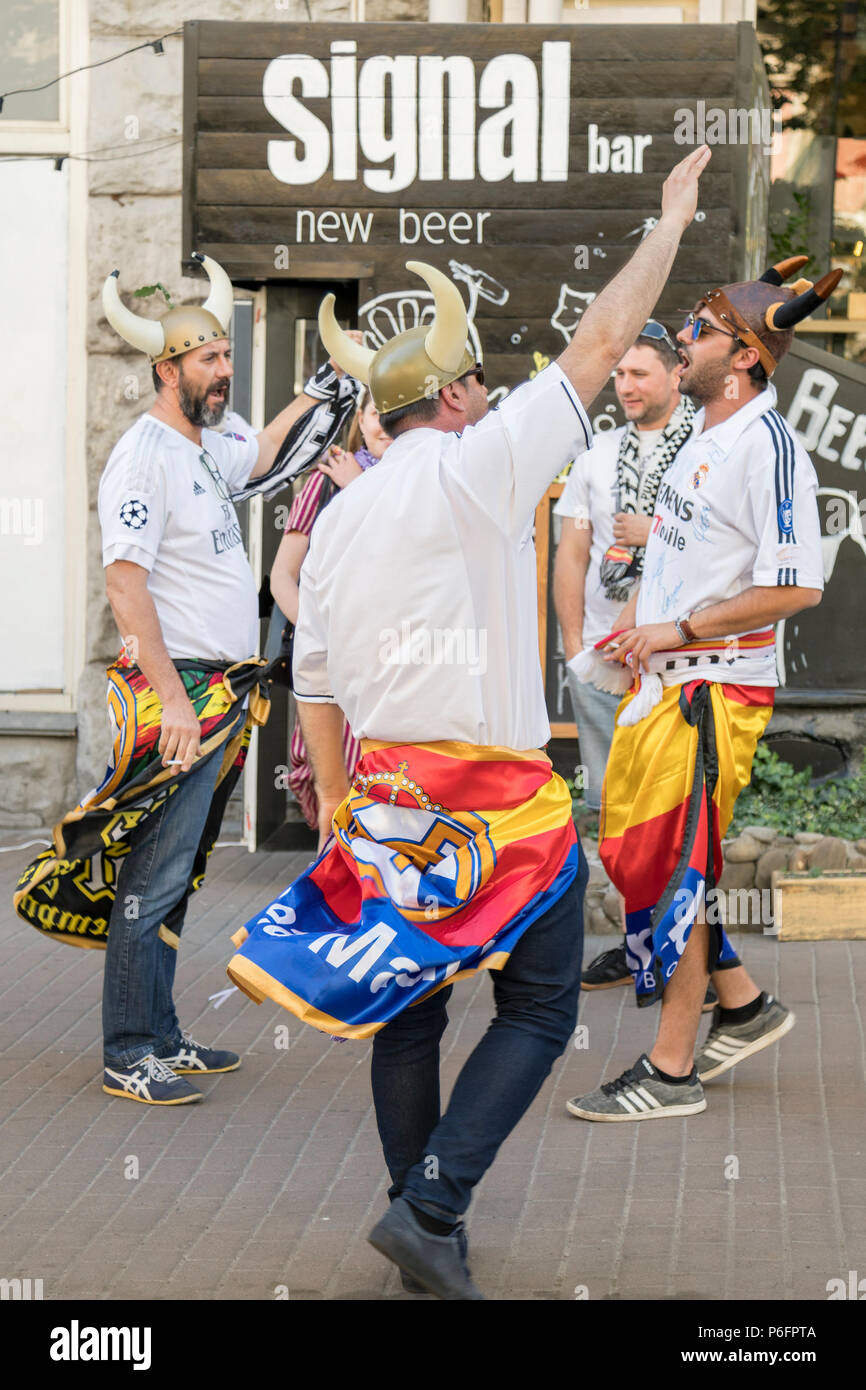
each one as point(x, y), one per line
point(415, 364)
point(762, 313)
point(183, 327)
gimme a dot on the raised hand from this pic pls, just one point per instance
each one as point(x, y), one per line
point(680, 188)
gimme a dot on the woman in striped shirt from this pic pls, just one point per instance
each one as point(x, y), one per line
point(366, 444)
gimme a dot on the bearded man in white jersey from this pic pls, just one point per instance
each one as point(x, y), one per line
point(184, 693)
point(734, 547)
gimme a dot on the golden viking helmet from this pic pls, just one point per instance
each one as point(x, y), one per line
point(183, 327)
point(414, 365)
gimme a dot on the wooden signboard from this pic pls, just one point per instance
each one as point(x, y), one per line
point(524, 160)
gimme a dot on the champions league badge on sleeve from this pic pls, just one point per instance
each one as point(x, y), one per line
point(133, 514)
point(786, 516)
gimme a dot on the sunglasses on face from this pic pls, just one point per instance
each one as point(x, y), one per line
point(477, 371)
point(657, 332)
point(699, 326)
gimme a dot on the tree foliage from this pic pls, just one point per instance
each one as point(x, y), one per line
point(816, 49)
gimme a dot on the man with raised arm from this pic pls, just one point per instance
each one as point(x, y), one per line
point(454, 849)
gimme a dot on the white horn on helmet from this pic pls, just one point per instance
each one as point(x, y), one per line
point(353, 358)
point(445, 344)
point(220, 301)
point(141, 333)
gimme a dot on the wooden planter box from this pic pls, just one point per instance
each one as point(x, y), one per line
point(827, 907)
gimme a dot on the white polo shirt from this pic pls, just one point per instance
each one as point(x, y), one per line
point(162, 508)
point(418, 607)
point(737, 507)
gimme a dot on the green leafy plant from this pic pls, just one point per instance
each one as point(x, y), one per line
point(145, 291)
point(789, 229)
point(787, 800)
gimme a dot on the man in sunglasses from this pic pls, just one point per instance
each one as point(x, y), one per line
point(606, 509)
point(734, 547)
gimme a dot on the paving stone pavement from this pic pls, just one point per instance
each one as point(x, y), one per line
point(269, 1186)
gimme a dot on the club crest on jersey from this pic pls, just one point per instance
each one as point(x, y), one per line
point(786, 516)
point(699, 476)
point(133, 514)
point(232, 435)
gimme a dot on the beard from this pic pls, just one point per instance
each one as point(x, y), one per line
point(194, 404)
point(706, 383)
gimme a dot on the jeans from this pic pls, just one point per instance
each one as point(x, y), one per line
point(595, 717)
point(435, 1162)
point(138, 1014)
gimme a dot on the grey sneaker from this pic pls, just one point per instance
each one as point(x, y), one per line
point(726, 1044)
point(437, 1262)
point(639, 1094)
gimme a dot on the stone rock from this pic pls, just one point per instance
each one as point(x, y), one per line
point(807, 837)
point(861, 846)
point(831, 853)
point(744, 850)
point(765, 833)
point(597, 922)
point(14, 820)
point(772, 859)
point(737, 874)
point(857, 861)
point(799, 861)
point(597, 875)
point(142, 111)
point(610, 904)
point(38, 783)
point(782, 840)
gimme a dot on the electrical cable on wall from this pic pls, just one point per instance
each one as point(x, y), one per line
point(155, 44)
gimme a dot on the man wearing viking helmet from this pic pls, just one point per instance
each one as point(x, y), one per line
point(185, 692)
point(734, 547)
point(454, 849)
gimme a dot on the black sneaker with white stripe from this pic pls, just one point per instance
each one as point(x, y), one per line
point(640, 1094)
point(726, 1044)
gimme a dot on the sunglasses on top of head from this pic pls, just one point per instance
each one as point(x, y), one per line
point(657, 333)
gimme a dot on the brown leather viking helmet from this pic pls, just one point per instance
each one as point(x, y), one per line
point(413, 365)
point(184, 327)
point(762, 313)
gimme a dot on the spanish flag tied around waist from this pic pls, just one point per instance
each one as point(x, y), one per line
point(68, 891)
point(667, 800)
point(417, 886)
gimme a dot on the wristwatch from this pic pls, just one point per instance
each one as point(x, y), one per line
point(685, 630)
